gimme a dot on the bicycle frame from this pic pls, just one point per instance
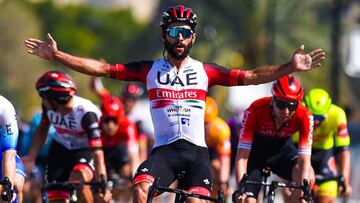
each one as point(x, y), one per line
point(181, 195)
point(272, 186)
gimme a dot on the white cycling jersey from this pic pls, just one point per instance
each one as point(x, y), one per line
point(177, 98)
point(69, 130)
point(8, 125)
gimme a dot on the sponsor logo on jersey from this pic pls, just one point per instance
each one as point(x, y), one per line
point(185, 121)
point(164, 79)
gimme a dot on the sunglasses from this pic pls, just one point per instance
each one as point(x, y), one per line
point(108, 119)
point(281, 104)
point(174, 32)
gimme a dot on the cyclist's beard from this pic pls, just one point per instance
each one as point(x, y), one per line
point(170, 48)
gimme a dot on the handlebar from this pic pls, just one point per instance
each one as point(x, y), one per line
point(6, 193)
point(305, 187)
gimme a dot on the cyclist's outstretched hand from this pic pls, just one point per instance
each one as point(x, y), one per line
point(305, 62)
point(45, 50)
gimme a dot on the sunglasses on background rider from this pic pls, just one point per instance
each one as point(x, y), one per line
point(319, 118)
point(174, 32)
point(291, 105)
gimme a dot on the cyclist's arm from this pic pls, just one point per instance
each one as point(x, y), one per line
point(304, 145)
point(225, 168)
point(90, 123)
point(98, 88)
point(245, 142)
point(39, 137)
point(9, 164)
point(304, 163)
point(9, 133)
point(242, 157)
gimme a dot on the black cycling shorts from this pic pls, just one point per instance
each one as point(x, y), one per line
point(181, 160)
point(61, 161)
point(320, 161)
point(280, 155)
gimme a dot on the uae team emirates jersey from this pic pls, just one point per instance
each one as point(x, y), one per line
point(72, 129)
point(177, 98)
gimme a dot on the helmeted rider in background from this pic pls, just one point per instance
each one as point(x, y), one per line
point(76, 151)
point(11, 164)
point(177, 86)
point(330, 149)
point(265, 138)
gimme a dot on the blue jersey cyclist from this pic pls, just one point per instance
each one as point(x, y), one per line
point(11, 163)
point(177, 86)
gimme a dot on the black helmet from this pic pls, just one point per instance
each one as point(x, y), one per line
point(178, 13)
point(56, 85)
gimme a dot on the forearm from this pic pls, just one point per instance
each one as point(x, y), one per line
point(38, 141)
point(304, 164)
point(266, 74)
point(9, 164)
point(344, 164)
point(224, 168)
point(241, 163)
point(100, 167)
point(83, 65)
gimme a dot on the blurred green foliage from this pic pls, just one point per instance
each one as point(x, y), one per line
point(238, 34)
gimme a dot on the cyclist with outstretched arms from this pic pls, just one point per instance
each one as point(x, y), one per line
point(265, 138)
point(330, 150)
point(76, 151)
point(177, 86)
point(11, 164)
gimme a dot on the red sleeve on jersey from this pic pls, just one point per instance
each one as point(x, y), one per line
point(135, 71)
point(343, 130)
point(247, 130)
point(305, 131)
point(219, 75)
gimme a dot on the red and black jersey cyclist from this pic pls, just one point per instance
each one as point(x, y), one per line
point(177, 86)
point(119, 137)
point(265, 138)
point(75, 153)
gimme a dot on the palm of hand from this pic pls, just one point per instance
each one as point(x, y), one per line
point(302, 62)
point(46, 51)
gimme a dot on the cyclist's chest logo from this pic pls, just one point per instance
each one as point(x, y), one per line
point(185, 80)
point(67, 122)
